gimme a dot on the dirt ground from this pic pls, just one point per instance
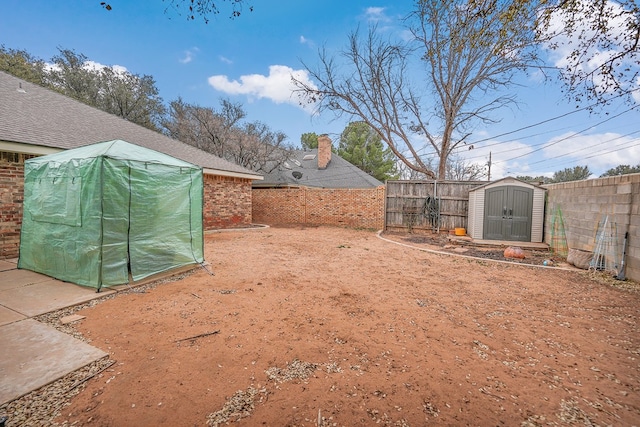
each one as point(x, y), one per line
point(335, 327)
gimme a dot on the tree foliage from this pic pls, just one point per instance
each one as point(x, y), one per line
point(224, 133)
point(621, 170)
point(598, 41)
point(309, 140)
point(576, 173)
point(206, 8)
point(361, 146)
point(201, 8)
point(470, 50)
point(130, 96)
point(23, 65)
point(534, 179)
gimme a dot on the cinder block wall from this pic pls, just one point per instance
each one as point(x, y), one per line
point(11, 196)
point(584, 204)
point(227, 202)
point(320, 206)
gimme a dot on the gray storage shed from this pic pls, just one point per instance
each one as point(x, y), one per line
point(507, 209)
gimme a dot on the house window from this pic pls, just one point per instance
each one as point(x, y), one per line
point(10, 157)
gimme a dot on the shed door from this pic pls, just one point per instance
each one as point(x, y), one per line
point(507, 213)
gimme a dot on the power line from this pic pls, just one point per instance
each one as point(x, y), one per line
point(569, 136)
point(588, 107)
point(618, 148)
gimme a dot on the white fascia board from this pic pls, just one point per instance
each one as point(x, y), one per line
point(17, 147)
point(232, 174)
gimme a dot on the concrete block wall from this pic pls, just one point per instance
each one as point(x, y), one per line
point(360, 208)
point(584, 204)
point(11, 196)
point(227, 202)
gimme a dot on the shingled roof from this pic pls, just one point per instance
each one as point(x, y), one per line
point(302, 170)
point(36, 120)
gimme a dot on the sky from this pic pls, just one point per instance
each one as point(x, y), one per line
point(250, 59)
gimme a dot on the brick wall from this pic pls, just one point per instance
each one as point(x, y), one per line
point(227, 202)
point(584, 204)
point(11, 194)
point(324, 151)
point(314, 206)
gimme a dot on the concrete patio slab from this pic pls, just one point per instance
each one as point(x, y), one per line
point(43, 297)
point(6, 265)
point(15, 278)
point(35, 354)
point(9, 316)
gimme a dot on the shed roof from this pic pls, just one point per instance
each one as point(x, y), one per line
point(37, 120)
point(506, 180)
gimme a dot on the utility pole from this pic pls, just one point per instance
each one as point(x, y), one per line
point(489, 173)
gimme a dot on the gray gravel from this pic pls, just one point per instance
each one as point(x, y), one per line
point(41, 407)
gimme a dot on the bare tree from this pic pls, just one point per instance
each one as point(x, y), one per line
point(470, 52)
point(460, 169)
point(223, 133)
point(258, 148)
point(203, 127)
point(600, 45)
point(200, 8)
point(206, 8)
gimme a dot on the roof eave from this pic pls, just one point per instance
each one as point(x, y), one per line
point(22, 148)
point(231, 174)
point(40, 150)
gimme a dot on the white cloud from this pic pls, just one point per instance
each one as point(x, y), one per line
point(376, 14)
point(308, 42)
point(595, 56)
point(599, 151)
point(406, 35)
point(189, 54)
point(91, 65)
point(277, 86)
point(502, 157)
point(119, 69)
point(225, 59)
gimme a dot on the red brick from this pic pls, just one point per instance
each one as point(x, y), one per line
point(311, 206)
point(227, 203)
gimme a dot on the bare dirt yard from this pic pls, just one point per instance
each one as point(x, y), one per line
point(337, 327)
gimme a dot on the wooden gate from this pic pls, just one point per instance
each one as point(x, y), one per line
point(427, 205)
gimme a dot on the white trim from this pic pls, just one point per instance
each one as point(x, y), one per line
point(232, 174)
point(17, 147)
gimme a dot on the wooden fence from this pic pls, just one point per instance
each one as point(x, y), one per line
point(427, 205)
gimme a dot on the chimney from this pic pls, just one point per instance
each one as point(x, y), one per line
point(324, 151)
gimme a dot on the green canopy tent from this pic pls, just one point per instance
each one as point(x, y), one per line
point(96, 214)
